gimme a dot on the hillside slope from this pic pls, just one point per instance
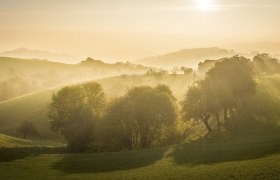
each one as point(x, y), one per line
point(33, 107)
point(39, 54)
point(13, 142)
point(186, 57)
point(22, 76)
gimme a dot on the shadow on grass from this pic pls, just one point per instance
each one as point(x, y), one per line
point(108, 162)
point(12, 154)
point(209, 151)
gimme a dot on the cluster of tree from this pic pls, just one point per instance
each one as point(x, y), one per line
point(139, 119)
point(157, 73)
point(223, 90)
point(183, 70)
point(146, 116)
point(174, 71)
point(261, 63)
point(264, 64)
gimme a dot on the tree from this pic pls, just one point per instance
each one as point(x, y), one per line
point(226, 85)
point(74, 111)
point(188, 71)
point(27, 128)
point(138, 117)
point(233, 81)
point(197, 105)
point(212, 93)
point(175, 70)
point(264, 64)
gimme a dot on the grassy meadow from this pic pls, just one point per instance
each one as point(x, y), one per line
point(251, 157)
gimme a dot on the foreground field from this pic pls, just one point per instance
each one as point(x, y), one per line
point(228, 158)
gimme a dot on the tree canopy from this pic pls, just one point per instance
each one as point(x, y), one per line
point(140, 115)
point(74, 111)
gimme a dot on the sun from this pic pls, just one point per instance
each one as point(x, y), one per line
point(203, 4)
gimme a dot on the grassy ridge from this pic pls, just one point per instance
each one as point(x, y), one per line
point(251, 157)
point(13, 142)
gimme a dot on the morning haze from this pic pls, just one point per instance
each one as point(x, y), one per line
point(130, 89)
point(129, 30)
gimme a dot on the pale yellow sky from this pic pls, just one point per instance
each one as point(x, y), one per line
point(131, 29)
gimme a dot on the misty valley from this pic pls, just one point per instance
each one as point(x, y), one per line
point(145, 117)
point(130, 89)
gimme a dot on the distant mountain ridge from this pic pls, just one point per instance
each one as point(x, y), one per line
point(40, 54)
point(186, 57)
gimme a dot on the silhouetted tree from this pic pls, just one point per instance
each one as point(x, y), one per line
point(27, 128)
point(175, 70)
point(233, 80)
point(74, 111)
point(264, 64)
point(197, 105)
point(139, 116)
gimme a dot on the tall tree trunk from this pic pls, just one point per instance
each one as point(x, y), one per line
point(218, 122)
point(205, 121)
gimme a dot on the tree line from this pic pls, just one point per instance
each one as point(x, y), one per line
point(150, 116)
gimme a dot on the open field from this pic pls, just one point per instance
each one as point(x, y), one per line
point(251, 157)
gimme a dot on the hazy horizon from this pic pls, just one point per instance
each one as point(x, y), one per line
point(129, 30)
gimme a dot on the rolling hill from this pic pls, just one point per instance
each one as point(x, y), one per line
point(33, 107)
point(25, 53)
point(254, 156)
point(22, 76)
point(186, 57)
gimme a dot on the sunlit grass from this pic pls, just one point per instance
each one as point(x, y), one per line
point(252, 157)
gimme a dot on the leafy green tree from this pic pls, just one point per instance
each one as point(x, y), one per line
point(264, 64)
point(212, 93)
point(74, 111)
point(197, 105)
point(138, 117)
point(226, 85)
point(234, 81)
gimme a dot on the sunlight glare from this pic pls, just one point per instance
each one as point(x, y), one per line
point(203, 4)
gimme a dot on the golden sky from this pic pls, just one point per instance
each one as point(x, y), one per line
point(131, 29)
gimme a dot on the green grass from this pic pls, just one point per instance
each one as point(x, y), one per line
point(13, 142)
point(251, 157)
point(31, 107)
